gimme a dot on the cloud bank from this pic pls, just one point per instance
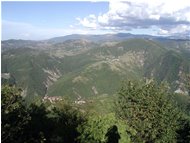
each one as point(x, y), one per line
point(166, 17)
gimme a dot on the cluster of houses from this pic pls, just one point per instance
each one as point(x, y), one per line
point(52, 99)
point(80, 102)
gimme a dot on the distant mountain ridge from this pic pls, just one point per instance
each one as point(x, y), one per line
point(19, 43)
point(98, 38)
point(110, 37)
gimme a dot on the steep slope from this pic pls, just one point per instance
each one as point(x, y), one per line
point(32, 69)
point(169, 67)
point(123, 61)
point(35, 70)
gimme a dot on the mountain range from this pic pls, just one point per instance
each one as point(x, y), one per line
point(83, 66)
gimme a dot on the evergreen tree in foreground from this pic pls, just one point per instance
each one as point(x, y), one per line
point(148, 108)
point(14, 115)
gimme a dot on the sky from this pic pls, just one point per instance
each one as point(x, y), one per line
point(42, 20)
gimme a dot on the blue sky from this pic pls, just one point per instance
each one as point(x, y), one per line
point(47, 16)
point(42, 20)
point(50, 14)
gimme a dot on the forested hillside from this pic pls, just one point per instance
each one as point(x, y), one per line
point(85, 67)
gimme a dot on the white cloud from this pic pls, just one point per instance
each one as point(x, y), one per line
point(71, 26)
point(129, 14)
point(163, 32)
point(89, 21)
point(183, 30)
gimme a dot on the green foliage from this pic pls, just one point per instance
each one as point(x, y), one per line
point(67, 121)
point(148, 108)
point(183, 133)
point(96, 127)
point(183, 102)
point(13, 114)
point(97, 78)
point(169, 68)
point(39, 128)
point(55, 125)
point(37, 123)
point(186, 79)
point(145, 113)
point(101, 105)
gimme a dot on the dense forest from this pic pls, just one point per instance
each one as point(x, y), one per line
point(142, 112)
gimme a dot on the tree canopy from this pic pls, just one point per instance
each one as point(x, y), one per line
point(14, 115)
point(144, 112)
point(148, 108)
